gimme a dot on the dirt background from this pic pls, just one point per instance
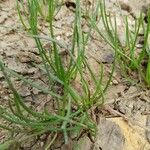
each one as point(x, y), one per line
point(123, 122)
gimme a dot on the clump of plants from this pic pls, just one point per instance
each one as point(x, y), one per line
point(72, 114)
point(129, 59)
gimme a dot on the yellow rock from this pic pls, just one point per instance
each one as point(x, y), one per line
point(135, 138)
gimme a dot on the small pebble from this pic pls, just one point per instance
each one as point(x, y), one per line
point(139, 46)
point(115, 82)
point(1, 75)
point(42, 144)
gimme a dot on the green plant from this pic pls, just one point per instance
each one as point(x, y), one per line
point(72, 107)
point(127, 55)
